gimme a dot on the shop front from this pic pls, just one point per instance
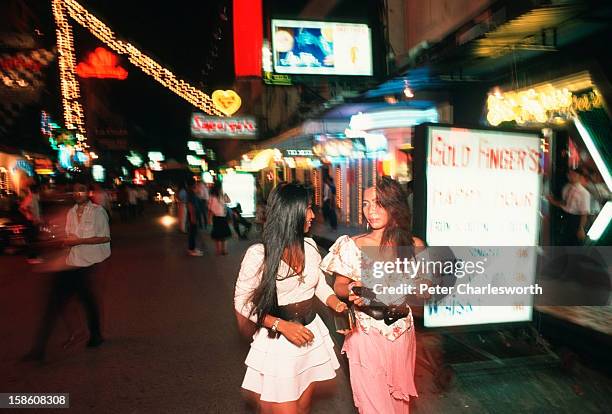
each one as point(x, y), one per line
point(16, 173)
point(570, 112)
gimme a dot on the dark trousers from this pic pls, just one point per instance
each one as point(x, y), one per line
point(31, 236)
point(569, 229)
point(193, 235)
point(66, 284)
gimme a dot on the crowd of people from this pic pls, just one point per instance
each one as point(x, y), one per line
point(201, 207)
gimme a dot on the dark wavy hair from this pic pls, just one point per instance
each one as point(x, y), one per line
point(283, 238)
point(394, 199)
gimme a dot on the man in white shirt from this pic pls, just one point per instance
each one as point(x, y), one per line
point(576, 206)
point(88, 236)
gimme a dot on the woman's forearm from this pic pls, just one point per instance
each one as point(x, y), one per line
point(341, 287)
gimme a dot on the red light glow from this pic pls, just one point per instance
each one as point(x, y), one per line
point(248, 37)
point(101, 64)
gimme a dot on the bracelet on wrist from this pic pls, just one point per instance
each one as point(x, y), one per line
point(338, 304)
point(274, 327)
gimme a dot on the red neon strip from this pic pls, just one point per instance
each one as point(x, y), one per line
point(248, 37)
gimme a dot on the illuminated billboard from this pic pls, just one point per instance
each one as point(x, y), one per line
point(481, 187)
point(321, 48)
point(203, 126)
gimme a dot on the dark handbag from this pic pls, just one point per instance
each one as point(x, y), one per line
point(378, 310)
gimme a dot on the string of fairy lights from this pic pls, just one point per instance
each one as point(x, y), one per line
point(73, 110)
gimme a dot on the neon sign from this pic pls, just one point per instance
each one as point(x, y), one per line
point(541, 105)
point(101, 64)
point(209, 126)
point(227, 102)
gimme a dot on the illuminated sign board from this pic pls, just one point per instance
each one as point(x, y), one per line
point(196, 146)
point(135, 159)
point(240, 188)
point(156, 156)
point(299, 153)
point(98, 172)
point(101, 64)
point(203, 126)
point(321, 48)
point(482, 188)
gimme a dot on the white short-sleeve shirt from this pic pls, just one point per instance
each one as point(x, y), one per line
point(94, 223)
point(577, 199)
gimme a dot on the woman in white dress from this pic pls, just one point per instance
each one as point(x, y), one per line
point(291, 349)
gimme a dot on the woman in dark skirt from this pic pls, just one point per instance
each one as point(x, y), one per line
point(218, 213)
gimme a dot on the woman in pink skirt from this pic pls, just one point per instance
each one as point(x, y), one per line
point(381, 356)
point(291, 349)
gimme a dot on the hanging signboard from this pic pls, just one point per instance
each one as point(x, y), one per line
point(203, 126)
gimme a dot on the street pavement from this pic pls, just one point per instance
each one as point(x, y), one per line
point(172, 344)
point(173, 347)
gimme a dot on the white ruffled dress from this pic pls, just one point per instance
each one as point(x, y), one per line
point(276, 369)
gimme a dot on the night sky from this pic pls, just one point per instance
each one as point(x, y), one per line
point(180, 35)
point(179, 38)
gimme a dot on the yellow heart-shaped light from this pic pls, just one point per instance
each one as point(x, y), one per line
point(227, 102)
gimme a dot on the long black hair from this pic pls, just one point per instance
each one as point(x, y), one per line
point(283, 237)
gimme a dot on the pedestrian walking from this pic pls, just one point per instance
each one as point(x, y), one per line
point(142, 197)
point(88, 237)
point(381, 350)
point(575, 206)
point(101, 197)
point(329, 202)
point(278, 279)
point(30, 208)
point(182, 208)
point(194, 220)
point(217, 212)
point(204, 195)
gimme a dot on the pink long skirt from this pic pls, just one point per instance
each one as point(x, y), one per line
point(382, 371)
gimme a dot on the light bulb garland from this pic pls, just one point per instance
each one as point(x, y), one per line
point(73, 110)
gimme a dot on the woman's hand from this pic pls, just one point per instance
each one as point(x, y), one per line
point(296, 333)
point(356, 299)
point(336, 304)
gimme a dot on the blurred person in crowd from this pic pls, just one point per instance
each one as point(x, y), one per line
point(203, 194)
point(100, 196)
point(329, 202)
point(88, 238)
point(182, 207)
point(142, 197)
point(237, 220)
point(217, 212)
point(132, 200)
point(30, 208)
point(260, 214)
point(576, 204)
point(194, 219)
point(278, 280)
point(600, 194)
point(124, 202)
point(381, 350)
